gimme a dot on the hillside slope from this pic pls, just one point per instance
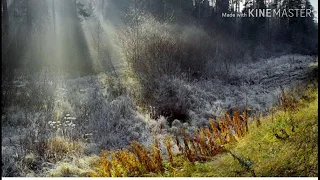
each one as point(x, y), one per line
point(283, 144)
point(98, 113)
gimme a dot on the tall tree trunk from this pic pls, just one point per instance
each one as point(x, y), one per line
point(30, 30)
point(75, 7)
point(29, 21)
point(237, 18)
point(199, 9)
point(54, 18)
point(14, 8)
point(165, 9)
point(5, 17)
point(232, 6)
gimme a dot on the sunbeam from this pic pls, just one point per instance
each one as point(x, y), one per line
point(165, 88)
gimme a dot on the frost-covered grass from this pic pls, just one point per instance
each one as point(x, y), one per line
point(100, 112)
point(254, 86)
point(77, 167)
point(285, 144)
point(93, 111)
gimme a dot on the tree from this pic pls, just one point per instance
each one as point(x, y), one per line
point(168, 8)
point(53, 17)
point(291, 27)
point(173, 7)
point(156, 8)
point(202, 9)
point(253, 28)
point(187, 7)
point(5, 15)
point(206, 8)
point(222, 6)
point(302, 30)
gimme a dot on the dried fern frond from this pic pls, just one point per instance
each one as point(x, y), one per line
point(237, 124)
point(142, 154)
point(245, 120)
point(168, 141)
point(102, 167)
point(178, 144)
point(157, 156)
point(216, 132)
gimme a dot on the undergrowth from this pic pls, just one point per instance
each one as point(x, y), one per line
point(283, 143)
point(199, 147)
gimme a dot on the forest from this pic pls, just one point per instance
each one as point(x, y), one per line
point(165, 88)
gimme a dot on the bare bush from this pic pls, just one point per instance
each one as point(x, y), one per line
point(156, 49)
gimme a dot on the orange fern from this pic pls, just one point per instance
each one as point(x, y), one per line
point(169, 150)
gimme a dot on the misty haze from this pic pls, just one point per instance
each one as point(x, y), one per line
point(159, 88)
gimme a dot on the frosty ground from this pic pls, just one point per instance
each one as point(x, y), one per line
point(99, 112)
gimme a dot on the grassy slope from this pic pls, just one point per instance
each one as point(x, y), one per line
point(295, 155)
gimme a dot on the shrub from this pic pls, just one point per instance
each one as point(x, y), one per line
point(56, 149)
point(157, 51)
point(172, 100)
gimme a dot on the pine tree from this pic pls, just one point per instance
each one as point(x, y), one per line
point(187, 7)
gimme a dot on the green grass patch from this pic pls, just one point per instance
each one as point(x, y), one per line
point(281, 144)
point(285, 144)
